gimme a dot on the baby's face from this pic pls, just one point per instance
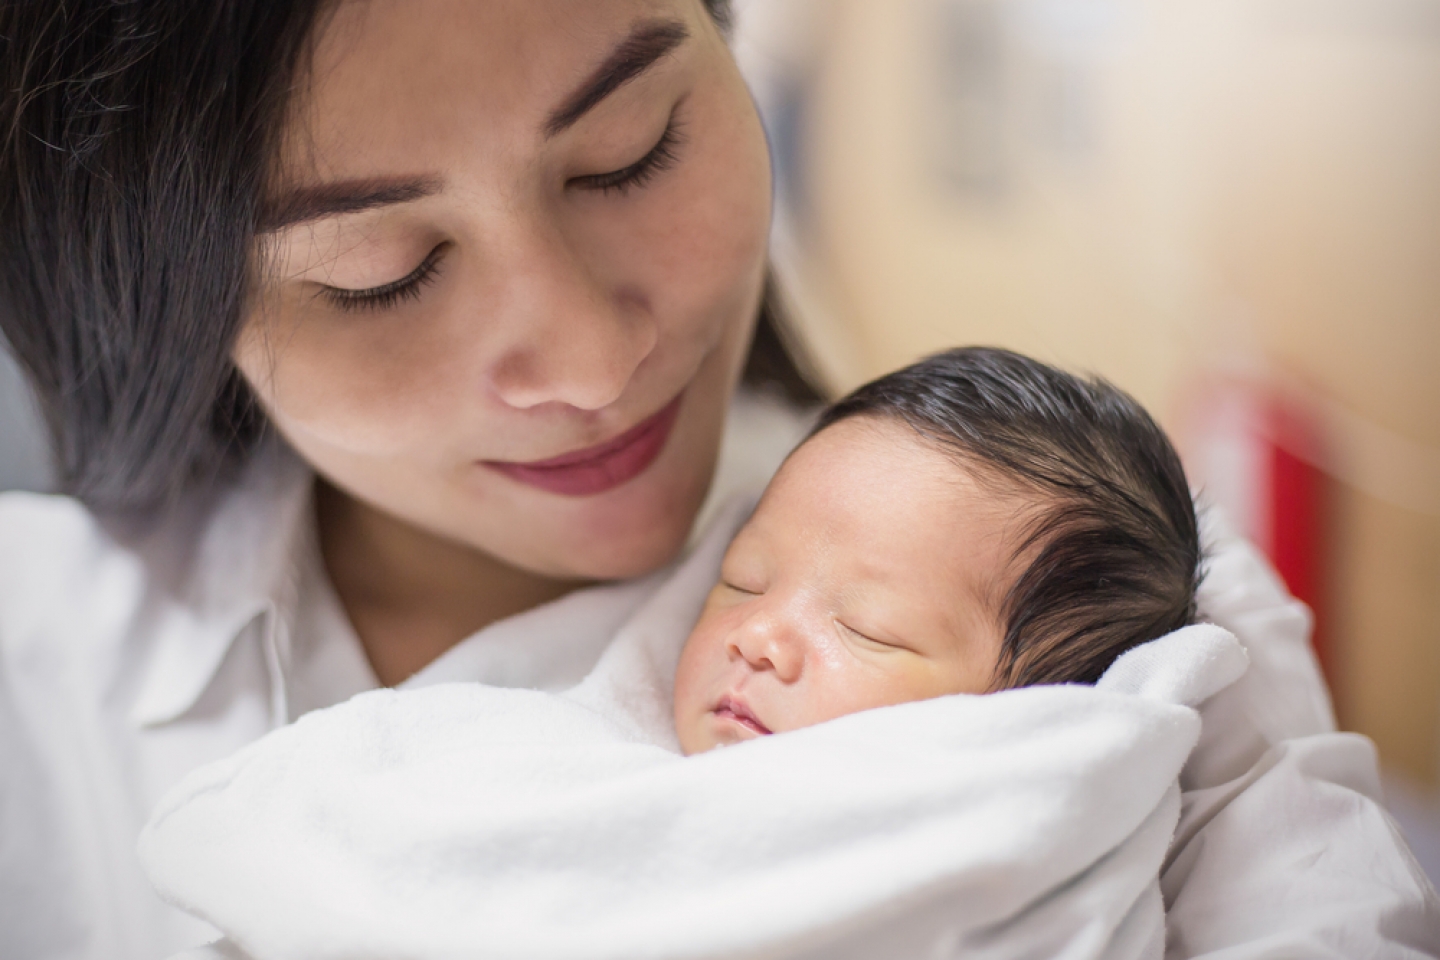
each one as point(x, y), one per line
point(870, 574)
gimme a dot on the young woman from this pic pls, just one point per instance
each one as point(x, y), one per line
point(392, 342)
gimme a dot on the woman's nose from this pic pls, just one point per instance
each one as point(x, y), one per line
point(767, 640)
point(569, 336)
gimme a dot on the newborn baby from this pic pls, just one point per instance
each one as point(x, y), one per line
point(974, 522)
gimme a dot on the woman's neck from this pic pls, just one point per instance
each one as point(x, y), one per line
point(412, 595)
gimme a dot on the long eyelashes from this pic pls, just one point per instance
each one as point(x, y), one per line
point(390, 294)
point(661, 157)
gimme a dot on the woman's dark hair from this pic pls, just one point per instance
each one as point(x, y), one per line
point(1111, 553)
point(136, 142)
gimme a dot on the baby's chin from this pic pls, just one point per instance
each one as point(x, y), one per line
point(704, 729)
point(694, 738)
point(702, 732)
point(696, 733)
point(690, 746)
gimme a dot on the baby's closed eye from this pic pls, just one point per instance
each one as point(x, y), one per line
point(875, 639)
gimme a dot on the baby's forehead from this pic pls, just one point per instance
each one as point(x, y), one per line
point(858, 450)
point(890, 496)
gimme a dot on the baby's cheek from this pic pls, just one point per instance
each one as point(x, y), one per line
point(693, 678)
point(684, 701)
point(686, 682)
point(898, 678)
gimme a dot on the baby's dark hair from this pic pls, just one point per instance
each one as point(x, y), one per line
point(1113, 546)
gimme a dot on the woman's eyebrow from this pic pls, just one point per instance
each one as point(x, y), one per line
point(304, 204)
point(648, 42)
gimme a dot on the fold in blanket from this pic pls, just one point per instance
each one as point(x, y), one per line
point(469, 821)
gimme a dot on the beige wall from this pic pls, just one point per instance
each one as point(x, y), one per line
point(1252, 181)
point(1326, 226)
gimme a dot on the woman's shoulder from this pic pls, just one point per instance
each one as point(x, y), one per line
point(73, 579)
point(54, 553)
point(1242, 592)
point(26, 516)
point(84, 603)
point(71, 596)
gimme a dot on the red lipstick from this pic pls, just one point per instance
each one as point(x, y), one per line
point(584, 473)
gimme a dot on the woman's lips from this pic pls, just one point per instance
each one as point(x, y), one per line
point(735, 710)
point(583, 473)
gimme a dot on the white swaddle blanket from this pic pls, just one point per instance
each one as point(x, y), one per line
point(476, 822)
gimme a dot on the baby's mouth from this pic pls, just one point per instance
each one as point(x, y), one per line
point(730, 708)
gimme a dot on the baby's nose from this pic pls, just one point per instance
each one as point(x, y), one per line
point(770, 641)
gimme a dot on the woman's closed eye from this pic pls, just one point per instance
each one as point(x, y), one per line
point(661, 157)
point(387, 295)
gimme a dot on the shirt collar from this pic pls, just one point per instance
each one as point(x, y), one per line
point(242, 574)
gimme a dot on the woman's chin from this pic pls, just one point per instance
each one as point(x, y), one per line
point(633, 532)
point(636, 527)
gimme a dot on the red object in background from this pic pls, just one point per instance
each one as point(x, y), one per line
point(1254, 452)
point(1297, 542)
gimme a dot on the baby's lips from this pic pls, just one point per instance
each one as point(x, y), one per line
point(736, 710)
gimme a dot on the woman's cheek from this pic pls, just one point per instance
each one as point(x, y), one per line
point(695, 239)
point(371, 383)
point(721, 239)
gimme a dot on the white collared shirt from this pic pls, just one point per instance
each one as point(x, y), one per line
point(130, 657)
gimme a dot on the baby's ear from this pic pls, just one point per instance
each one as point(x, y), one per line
point(1186, 667)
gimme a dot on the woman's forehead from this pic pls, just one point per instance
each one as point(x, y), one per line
point(387, 73)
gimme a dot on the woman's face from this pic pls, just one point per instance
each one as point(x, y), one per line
point(517, 254)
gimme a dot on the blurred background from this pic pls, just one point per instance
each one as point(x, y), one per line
point(23, 461)
point(1230, 208)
